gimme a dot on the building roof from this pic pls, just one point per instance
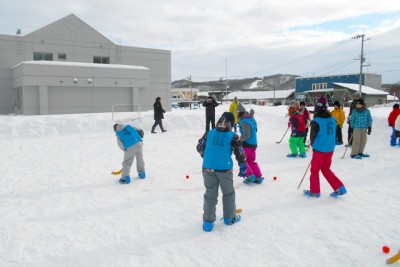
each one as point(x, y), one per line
point(364, 89)
point(79, 64)
point(279, 94)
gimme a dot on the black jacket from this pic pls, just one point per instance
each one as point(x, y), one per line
point(158, 111)
point(210, 107)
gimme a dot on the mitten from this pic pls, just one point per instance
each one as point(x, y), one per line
point(369, 131)
point(294, 133)
point(243, 170)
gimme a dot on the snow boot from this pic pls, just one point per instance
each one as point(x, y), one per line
point(338, 192)
point(234, 220)
point(142, 175)
point(125, 180)
point(291, 155)
point(363, 155)
point(308, 193)
point(303, 155)
point(259, 180)
point(356, 156)
point(249, 179)
point(208, 226)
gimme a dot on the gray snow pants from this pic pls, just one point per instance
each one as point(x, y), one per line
point(359, 141)
point(212, 182)
point(129, 155)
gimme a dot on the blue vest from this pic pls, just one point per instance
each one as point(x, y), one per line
point(218, 152)
point(325, 140)
point(253, 130)
point(128, 136)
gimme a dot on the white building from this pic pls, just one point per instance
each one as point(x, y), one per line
point(69, 67)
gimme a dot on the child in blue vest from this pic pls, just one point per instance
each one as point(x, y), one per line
point(323, 142)
point(216, 147)
point(248, 136)
point(129, 139)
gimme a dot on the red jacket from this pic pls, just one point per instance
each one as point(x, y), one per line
point(393, 116)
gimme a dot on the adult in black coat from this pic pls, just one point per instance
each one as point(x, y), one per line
point(210, 105)
point(158, 115)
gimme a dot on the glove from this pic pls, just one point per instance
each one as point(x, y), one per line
point(341, 126)
point(294, 133)
point(243, 170)
point(369, 131)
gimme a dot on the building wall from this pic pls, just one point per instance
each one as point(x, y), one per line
point(80, 43)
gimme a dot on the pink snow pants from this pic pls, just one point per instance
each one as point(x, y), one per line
point(322, 162)
point(252, 165)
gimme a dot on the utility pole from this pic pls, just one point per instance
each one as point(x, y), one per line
point(226, 79)
point(362, 59)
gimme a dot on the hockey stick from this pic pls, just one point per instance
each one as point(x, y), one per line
point(309, 164)
point(283, 136)
point(394, 258)
point(117, 172)
point(351, 137)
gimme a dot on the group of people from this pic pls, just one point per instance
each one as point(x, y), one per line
point(221, 140)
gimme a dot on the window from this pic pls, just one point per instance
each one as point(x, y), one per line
point(101, 60)
point(318, 86)
point(37, 56)
point(62, 57)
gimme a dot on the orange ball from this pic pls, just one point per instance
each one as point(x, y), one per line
point(385, 249)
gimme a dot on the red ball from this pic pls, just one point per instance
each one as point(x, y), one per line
point(274, 178)
point(187, 176)
point(385, 249)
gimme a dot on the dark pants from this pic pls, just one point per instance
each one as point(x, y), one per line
point(349, 134)
point(157, 122)
point(210, 119)
point(339, 137)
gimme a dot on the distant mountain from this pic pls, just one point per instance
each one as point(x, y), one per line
point(266, 83)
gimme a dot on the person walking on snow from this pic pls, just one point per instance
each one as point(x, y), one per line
point(298, 128)
point(340, 117)
point(215, 147)
point(232, 109)
point(248, 136)
point(361, 123)
point(158, 115)
point(394, 114)
point(322, 137)
point(130, 141)
point(210, 104)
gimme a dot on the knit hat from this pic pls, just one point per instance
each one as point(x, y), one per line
point(302, 103)
point(240, 108)
point(395, 106)
point(357, 94)
point(360, 101)
point(226, 121)
point(321, 104)
point(336, 103)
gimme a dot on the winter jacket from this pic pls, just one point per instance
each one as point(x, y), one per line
point(361, 118)
point(397, 124)
point(210, 107)
point(306, 115)
point(215, 147)
point(158, 111)
point(232, 108)
point(393, 116)
point(248, 131)
point(323, 132)
point(128, 136)
point(297, 125)
point(339, 115)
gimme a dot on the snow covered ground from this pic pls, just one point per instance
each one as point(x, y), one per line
point(60, 206)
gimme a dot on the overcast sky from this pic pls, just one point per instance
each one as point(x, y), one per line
point(237, 39)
